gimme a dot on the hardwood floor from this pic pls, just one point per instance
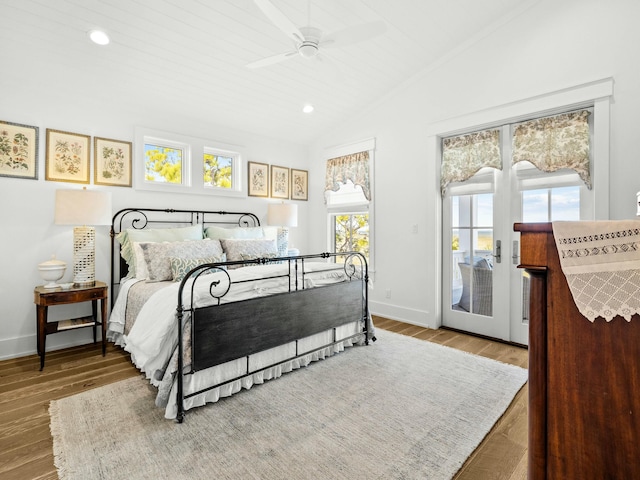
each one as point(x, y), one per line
point(26, 446)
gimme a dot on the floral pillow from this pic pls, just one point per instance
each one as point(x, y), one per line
point(181, 266)
point(157, 255)
point(241, 249)
point(130, 236)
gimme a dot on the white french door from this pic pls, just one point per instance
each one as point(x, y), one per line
point(483, 290)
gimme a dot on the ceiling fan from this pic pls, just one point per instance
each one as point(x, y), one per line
point(309, 40)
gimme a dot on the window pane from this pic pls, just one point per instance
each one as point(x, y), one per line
point(455, 211)
point(565, 203)
point(535, 206)
point(218, 171)
point(484, 209)
point(352, 234)
point(163, 164)
point(471, 254)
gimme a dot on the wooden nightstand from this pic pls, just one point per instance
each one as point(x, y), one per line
point(47, 297)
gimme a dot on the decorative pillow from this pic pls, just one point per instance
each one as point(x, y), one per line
point(181, 266)
point(131, 235)
point(219, 233)
point(157, 255)
point(240, 249)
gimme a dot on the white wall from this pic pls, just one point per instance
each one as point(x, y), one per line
point(29, 235)
point(551, 46)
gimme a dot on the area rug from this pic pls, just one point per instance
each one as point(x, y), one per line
point(400, 408)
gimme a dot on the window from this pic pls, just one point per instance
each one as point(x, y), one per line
point(348, 196)
point(177, 163)
point(164, 161)
point(219, 169)
point(351, 233)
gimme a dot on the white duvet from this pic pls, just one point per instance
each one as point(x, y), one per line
point(153, 337)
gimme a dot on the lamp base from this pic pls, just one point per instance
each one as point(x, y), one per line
point(283, 241)
point(84, 254)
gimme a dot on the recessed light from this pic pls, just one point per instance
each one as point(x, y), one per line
point(99, 37)
point(307, 108)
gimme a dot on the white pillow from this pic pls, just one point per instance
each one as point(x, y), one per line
point(218, 233)
point(140, 271)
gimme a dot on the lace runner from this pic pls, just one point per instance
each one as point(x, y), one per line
point(601, 261)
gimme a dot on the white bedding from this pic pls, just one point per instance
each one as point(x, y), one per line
point(153, 338)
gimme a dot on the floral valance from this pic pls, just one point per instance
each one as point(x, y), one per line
point(554, 143)
point(464, 155)
point(353, 167)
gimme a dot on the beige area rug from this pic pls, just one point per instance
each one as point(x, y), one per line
point(400, 408)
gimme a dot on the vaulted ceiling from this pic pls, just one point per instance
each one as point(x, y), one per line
point(189, 57)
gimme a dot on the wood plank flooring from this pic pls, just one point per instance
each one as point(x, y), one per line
point(26, 446)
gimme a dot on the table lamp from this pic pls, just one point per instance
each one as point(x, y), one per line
point(282, 215)
point(84, 209)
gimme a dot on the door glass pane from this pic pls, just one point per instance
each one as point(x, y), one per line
point(551, 204)
point(471, 254)
point(535, 206)
point(565, 203)
point(547, 205)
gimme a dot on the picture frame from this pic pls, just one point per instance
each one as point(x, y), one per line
point(258, 183)
point(279, 182)
point(299, 184)
point(19, 150)
point(112, 162)
point(67, 157)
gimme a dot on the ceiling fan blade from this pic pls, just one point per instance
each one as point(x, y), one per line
point(280, 20)
point(271, 60)
point(354, 34)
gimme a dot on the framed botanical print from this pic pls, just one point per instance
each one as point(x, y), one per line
point(18, 150)
point(67, 157)
point(279, 182)
point(111, 162)
point(258, 179)
point(299, 184)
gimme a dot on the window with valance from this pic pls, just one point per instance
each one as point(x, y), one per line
point(555, 143)
point(349, 174)
point(465, 155)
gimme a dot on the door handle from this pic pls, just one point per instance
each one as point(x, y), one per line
point(498, 254)
point(515, 258)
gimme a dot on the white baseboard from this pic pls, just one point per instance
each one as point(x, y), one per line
point(403, 314)
point(17, 347)
point(25, 346)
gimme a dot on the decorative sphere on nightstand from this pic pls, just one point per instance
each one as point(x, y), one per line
point(51, 271)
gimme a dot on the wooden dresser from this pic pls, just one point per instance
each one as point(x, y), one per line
point(584, 378)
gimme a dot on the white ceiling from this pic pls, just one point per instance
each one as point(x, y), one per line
point(188, 57)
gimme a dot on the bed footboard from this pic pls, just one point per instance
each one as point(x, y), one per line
point(226, 332)
point(229, 331)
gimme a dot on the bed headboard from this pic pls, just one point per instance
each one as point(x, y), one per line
point(144, 218)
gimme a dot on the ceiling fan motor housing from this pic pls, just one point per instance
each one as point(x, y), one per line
point(309, 46)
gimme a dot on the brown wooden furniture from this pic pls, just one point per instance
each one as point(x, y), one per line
point(584, 378)
point(47, 297)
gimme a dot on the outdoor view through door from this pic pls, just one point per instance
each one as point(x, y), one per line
point(534, 171)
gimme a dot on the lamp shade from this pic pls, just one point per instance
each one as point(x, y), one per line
point(83, 207)
point(282, 215)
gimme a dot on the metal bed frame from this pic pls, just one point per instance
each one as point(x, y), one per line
point(227, 331)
